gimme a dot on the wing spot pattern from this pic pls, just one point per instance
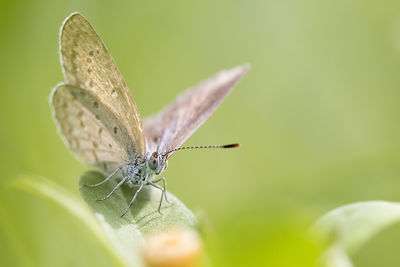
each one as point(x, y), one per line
point(114, 92)
point(96, 104)
point(95, 156)
point(100, 131)
point(89, 60)
point(95, 145)
point(80, 114)
point(110, 145)
point(115, 130)
point(82, 124)
point(91, 53)
point(89, 70)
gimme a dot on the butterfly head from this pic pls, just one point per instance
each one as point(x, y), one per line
point(157, 162)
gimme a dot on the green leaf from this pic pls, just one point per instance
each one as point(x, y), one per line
point(351, 226)
point(46, 189)
point(126, 233)
point(122, 237)
point(354, 224)
point(335, 256)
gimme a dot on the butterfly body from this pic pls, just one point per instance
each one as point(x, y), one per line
point(137, 172)
point(140, 171)
point(100, 123)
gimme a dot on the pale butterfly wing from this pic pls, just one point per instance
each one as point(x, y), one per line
point(171, 127)
point(88, 65)
point(89, 128)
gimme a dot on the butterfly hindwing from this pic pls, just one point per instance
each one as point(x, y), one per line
point(171, 127)
point(87, 129)
point(87, 64)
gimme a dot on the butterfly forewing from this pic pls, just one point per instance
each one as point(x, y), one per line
point(88, 65)
point(177, 122)
point(86, 127)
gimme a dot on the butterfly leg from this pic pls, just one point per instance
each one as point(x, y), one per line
point(105, 180)
point(133, 199)
point(115, 188)
point(163, 191)
point(164, 187)
point(162, 194)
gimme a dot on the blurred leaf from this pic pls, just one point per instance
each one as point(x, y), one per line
point(351, 226)
point(126, 233)
point(121, 237)
point(354, 224)
point(45, 188)
point(335, 256)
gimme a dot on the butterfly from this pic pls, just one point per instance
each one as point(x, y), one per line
point(100, 123)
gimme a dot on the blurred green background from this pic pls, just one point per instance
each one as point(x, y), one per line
point(317, 118)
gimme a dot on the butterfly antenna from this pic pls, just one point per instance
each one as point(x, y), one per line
point(196, 147)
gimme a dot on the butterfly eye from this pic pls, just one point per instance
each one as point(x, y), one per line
point(153, 161)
